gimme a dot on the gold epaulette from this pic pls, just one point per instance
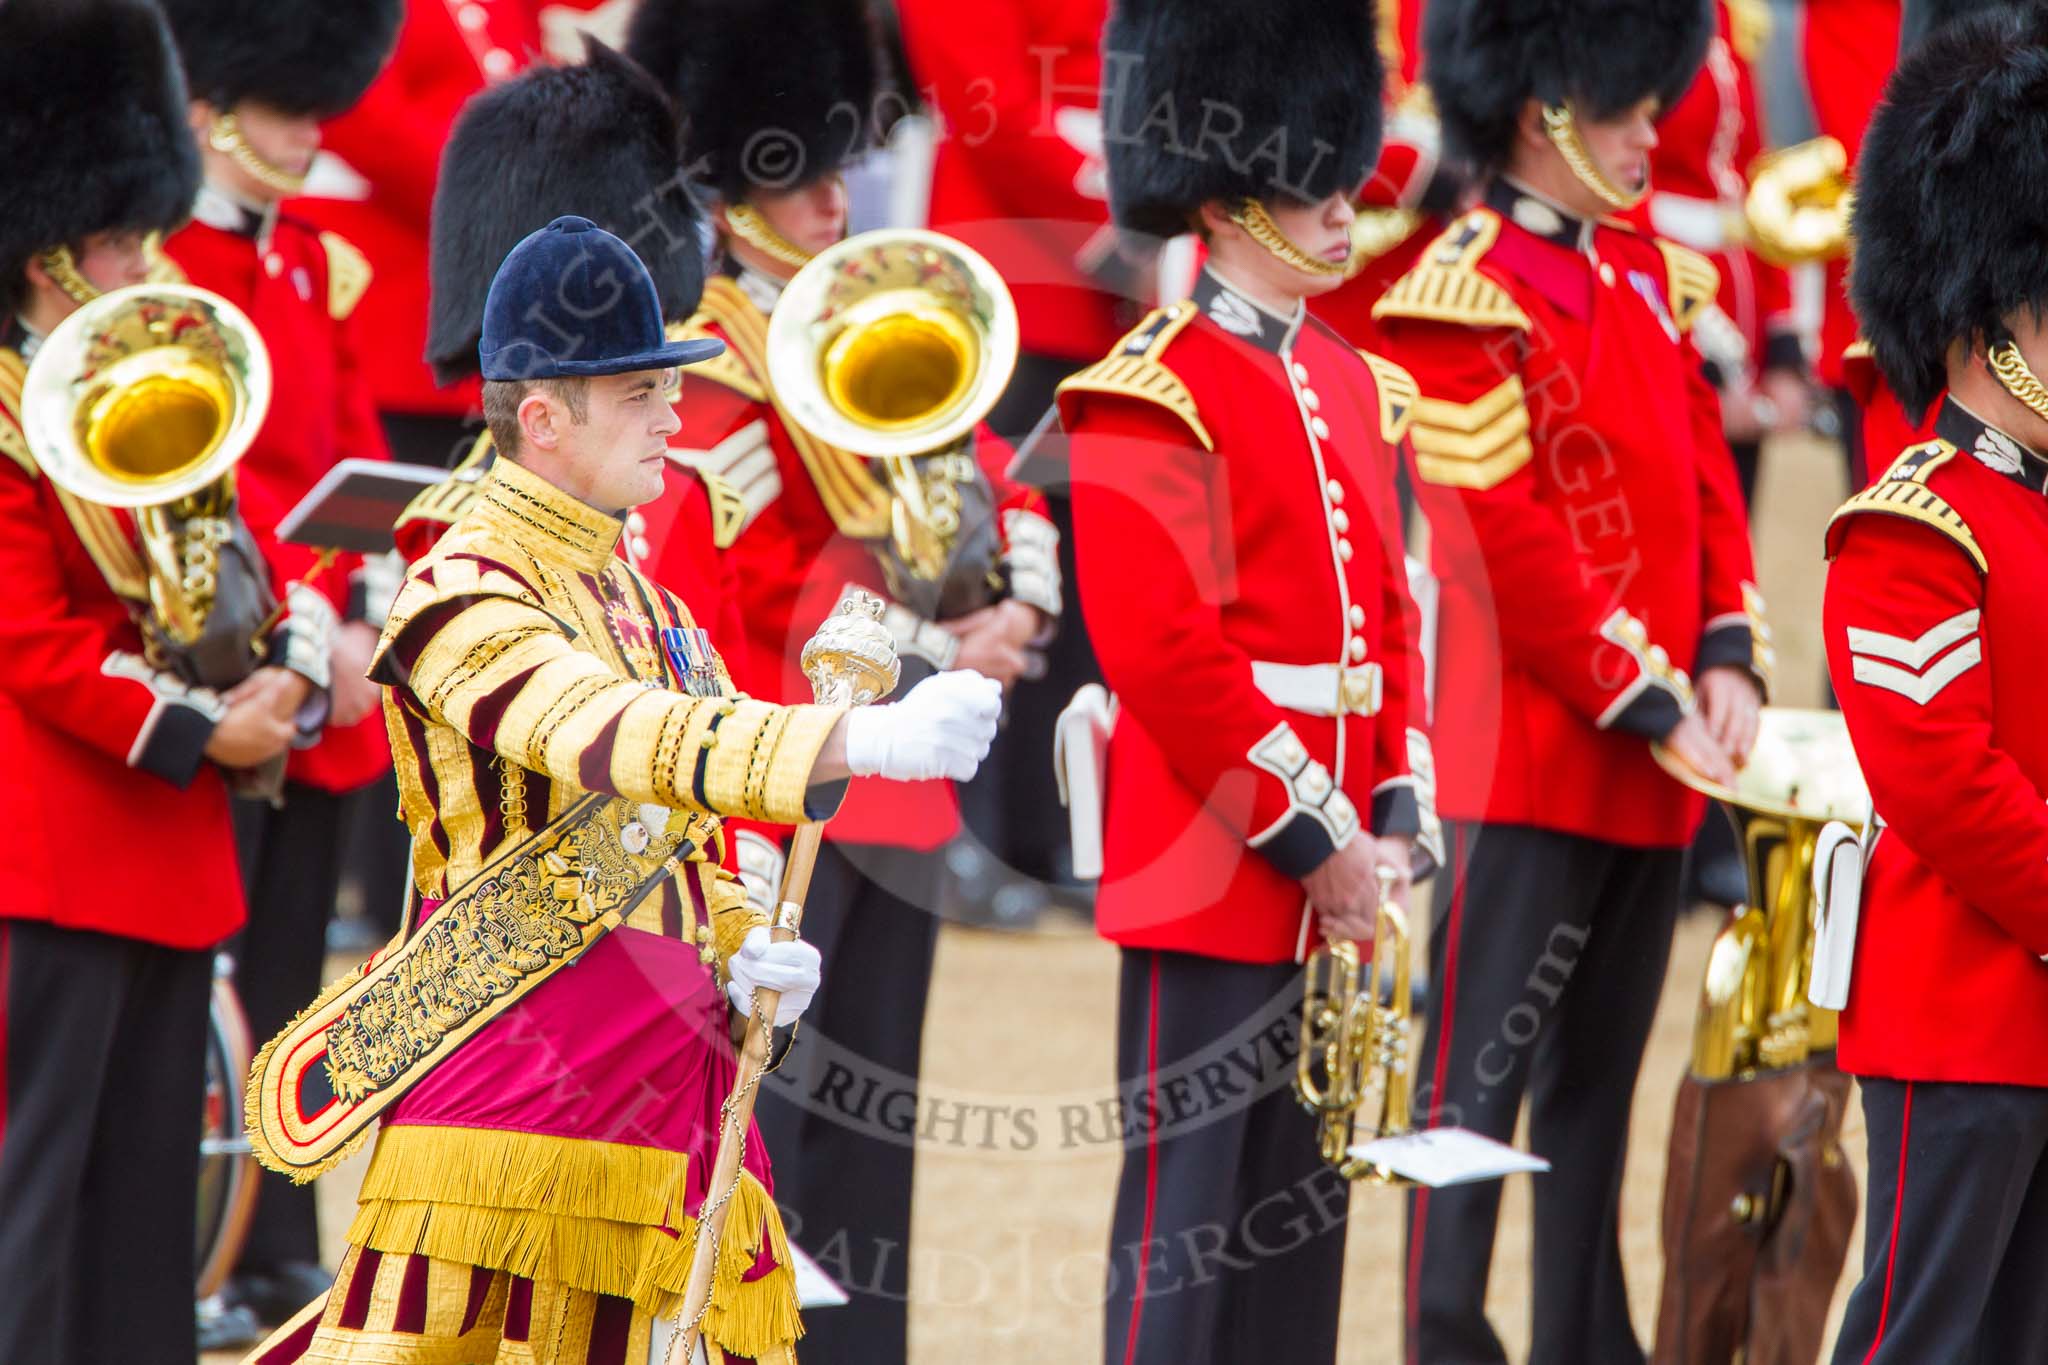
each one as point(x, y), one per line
point(728, 368)
point(348, 275)
point(13, 444)
point(1475, 445)
point(1134, 370)
point(1692, 283)
point(1749, 28)
point(1446, 286)
point(728, 509)
point(1903, 492)
point(1397, 396)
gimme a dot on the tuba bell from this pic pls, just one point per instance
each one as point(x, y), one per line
point(1355, 1038)
point(893, 345)
point(143, 399)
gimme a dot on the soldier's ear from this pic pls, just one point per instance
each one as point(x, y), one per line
point(539, 420)
point(1529, 125)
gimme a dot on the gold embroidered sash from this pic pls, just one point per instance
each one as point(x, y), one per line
point(531, 911)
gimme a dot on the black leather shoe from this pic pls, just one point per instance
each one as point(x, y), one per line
point(277, 1292)
point(225, 1328)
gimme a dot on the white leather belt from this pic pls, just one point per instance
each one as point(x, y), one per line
point(1321, 689)
point(1702, 224)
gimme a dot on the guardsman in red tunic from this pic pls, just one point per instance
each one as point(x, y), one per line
point(1596, 595)
point(374, 183)
point(1937, 644)
point(121, 879)
point(1240, 561)
point(811, 520)
point(601, 139)
point(262, 75)
point(1700, 173)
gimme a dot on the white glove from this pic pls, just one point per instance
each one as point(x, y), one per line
point(941, 729)
point(791, 968)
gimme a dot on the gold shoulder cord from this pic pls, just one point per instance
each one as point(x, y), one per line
point(1561, 126)
point(2011, 368)
point(750, 227)
point(1251, 215)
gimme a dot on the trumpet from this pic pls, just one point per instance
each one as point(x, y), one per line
point(1351, 1042)
point(894, 345)
point(144, 399)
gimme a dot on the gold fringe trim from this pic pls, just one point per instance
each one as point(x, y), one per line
point(583, 1213)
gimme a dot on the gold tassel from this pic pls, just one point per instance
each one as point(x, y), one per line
point(583, 1213)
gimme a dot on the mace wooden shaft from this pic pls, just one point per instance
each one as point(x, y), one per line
point(725, 1167)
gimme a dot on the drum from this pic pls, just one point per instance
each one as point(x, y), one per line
point(227, 1170)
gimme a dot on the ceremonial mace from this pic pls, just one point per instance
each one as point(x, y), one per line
point(851, 661)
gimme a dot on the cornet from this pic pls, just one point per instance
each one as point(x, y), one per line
point(1349, 1038)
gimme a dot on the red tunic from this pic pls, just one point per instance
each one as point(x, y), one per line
point(379, 166)
point(1937, 645)
point(1019, 174)
point(1850, 47)
point(1700, 170)
point(119, 824)
point(1240, 563)
point(295, 285)
point(1587, 529)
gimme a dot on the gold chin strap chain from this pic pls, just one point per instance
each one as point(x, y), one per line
point(750, 227)
point(1561, 126)
point(226, 136)
point(1251, 215)
point(62, 268)
point(2011, 368)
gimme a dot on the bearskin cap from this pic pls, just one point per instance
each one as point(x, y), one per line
point(599, 140)
point(1952, 198)
point(774, 93)
point(1484, 59)
point(1236, 99)
point(93, 137)
point(1923, 17)
point(301, 56)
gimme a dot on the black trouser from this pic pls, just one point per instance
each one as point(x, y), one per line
point(840, 1114)
point(291, 864)
point(103, 1056)
point(1228, 1240)
point(1955, 1248)
point(1548, 952)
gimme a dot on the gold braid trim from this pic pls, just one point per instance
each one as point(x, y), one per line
point(1134, 370)
point(584, 1213)
point(1258, 225)
point(2019, 381)
point(1561, 126)
point(1476, 445)
point(1446, 286)
point(1398, 396)
point(1903, 492)
point(1692, 282)
point(348, 275)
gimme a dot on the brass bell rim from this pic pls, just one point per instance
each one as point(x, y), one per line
point(801, 330)
point(61, 378)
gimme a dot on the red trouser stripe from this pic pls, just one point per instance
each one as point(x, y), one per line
point(1151, 1159)
point(1891, 1256)
point(1449, 985)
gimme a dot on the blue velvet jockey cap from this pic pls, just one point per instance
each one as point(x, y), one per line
point(572, 301)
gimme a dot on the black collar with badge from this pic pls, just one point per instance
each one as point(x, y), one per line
point(1244, 319)
point(1992, 448)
